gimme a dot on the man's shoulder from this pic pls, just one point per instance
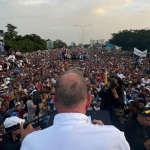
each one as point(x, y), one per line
point(36, 134)
point(104, 128)
point(130, 124)
point(91, 128)
point(29, 102)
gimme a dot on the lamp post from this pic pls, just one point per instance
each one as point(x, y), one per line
point(82, 32)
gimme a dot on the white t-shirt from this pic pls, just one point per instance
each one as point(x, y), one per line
point(120, 75)
point(54, 81)
point(145, 82)
point(12, 57)
point(74, 131)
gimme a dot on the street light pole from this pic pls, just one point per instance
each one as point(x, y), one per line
point(82, 32)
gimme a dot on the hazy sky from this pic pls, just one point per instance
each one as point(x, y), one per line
point(55, 19)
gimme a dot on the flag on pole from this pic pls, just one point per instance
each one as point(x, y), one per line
point(110, 63)
point(105, 80)
point(112, 58)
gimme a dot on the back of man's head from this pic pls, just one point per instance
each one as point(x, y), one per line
point(71, 89)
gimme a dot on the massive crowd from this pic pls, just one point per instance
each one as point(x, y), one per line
point(118, 82)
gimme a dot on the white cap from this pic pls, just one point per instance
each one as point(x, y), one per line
point(11, 121)
point(7, 79)
point(18, 103)
point(148, 105)
point(31, 94)
point(130, 100)
point(2, 85)
point(7, 82)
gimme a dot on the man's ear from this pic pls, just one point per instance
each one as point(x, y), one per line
point(139, 117)
point(89, 100)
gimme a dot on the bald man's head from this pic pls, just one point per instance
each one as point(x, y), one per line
point(71, 88)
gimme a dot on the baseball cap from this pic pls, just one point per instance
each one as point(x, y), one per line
point(141, 98)
point(18, 103)
point(8, 82)
point(147, 88)
point(127, 90)
point(31, 94)
point(12, 122)
point(136, 91)
point(51, 102)
point(135, 95)
point(142, 84)
point(99, 99)
point(147, 95)
point(22, 83)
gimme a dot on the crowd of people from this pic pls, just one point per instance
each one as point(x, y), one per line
point(116, 81)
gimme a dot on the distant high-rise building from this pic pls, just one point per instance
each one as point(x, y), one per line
point(1, 35)
point(50, 44)
point(73, 44)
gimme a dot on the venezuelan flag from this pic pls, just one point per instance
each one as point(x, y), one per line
point(112, 58)
point(110, 63)
point(54, 50)
point(105, 80)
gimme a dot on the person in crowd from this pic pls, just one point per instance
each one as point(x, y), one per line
point(141, 103)
point(7, 49)
point(2, 128)
point(72, 101)
point(19, 111)
point(113, 100)
point(98, 105)
point(32, 107)
point(145, 80)
point(133, 108)
point(137, 131)
point(147, 100)
point(2, 49)
point(4, 113)
point(12, 140)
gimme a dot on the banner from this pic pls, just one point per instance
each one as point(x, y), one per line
point(108, 44)
point(140, 53)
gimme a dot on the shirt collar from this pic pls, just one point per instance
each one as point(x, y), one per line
point(71, 118)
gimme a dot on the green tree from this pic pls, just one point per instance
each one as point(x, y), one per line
point(128, 39)
point(11, 33)
point(58, 42)
point(26, 43)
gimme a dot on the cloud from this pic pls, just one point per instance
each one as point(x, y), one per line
point(56, 18)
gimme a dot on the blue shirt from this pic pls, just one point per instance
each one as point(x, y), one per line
point(8, 112)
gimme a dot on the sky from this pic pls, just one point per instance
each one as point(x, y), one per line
point(55, 19)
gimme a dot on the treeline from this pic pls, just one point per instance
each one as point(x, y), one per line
point(27, 43)
point(128, 39)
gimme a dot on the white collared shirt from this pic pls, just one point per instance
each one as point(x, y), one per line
point(73, 131)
